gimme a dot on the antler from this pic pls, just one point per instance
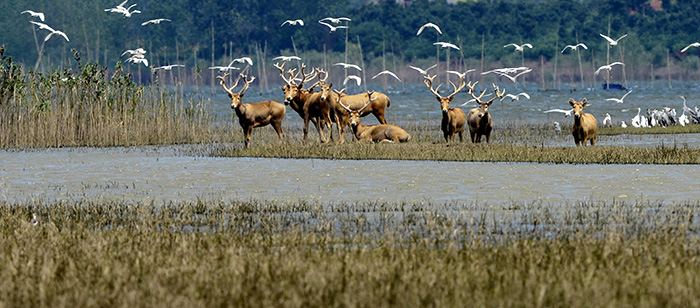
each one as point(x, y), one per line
point(223, 83)
point(470, 87)
point(321, 81)
point(461, 86)
point(290, 81)
point(498, 94)
point(369, 95)
point(247, 83)
point(304, 76)
point(429, 82)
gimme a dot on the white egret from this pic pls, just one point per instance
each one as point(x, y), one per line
point(608, 120)
point(293, 22)
point(429, 25)
point(520, 48)
point(336, 20)
point(168, 67)
point(567, 112)
point(619, 100)
point(623, 124)
point(154, 21)
point(512, 78)
point(331, 27)
point(386, 72)
point(347, 66)
point(287, 58)
point(637, 120)
point(460, 75)
point(696, 44)
point(515, 97)
point(247, 60)
point(446, 45)
point(608, 67)
point(611, 41)
point(34, 14)
point(575, 47)
point(423, 71)
point(353, 77)
point(138, 59)
point(43, 26)
point(223, 68)
point(557, 127)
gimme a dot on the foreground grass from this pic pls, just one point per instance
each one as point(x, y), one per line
point(470, 153)
point(263, 254)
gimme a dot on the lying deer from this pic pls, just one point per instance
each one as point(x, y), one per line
point(306, 103)
point(585, 125)
point(479, 119)
point(453, 119)
point(255, 114)
point(374, 133)
point(377, 106)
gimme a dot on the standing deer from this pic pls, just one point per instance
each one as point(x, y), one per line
point(255, 114)
point(374, 133)
point(338, 113)
point(453, 119)
point(479, 119)
point(585, 125)
point(306, 103)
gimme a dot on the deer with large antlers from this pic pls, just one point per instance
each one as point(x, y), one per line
point(306, 103)
point(585, 125)
point(338, 114)
point(479, 119)
point(373, 133)
point(453, 119)
point(255, 114)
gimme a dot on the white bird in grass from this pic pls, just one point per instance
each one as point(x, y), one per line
point(575, 47)
point(557, 127)
point(515, 97)
point(567, 112)
point(608, 120)
point(293, 22)
point(331, 27)
point(520, 48)
point(446, 45)
point(423, 71)
point(637, 120)
point(611, 41)
point(623, 124)
point(429, 25)
point(386, 72)
point(34, 14)
point(35, 220)
point(696, 44)
point(223, 68)
point(619, 100)
point(336, 20)
point(287, 58)
point(168, 67)
point(247, 60)
point(608, 67)
point(346, 66)
point(461, 75)
point(354, 77)
point(155, 21)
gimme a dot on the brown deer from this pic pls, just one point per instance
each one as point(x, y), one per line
point(255, 114)
point(453, 119)
point(585, 125)
point(373, 133)
point(338, 114)
point(479, 119)
point(377, 106)
point(305, 102)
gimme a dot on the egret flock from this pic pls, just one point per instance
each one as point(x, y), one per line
point(653, 117)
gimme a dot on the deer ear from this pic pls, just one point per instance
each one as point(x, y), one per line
point(241, 95)
point(584, 102)
point(330, 84)
point(229, 95)
point(283, 88)
point(571, 102)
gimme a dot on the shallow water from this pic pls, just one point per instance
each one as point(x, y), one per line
point(161, 174)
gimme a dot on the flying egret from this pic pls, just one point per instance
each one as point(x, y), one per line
point(353, 77)
point(331, 27)
point(346, 66)
point(136, 60)
point(512, 78)
point(123, 10)
point(61, 33)
point(34, 14)
point(611, 41)
point(619, 100)
point(515, 97)
point(168, 67)
point(461, 75)
point(247, 60)
point(608, 67)
point(446, 45)
point(137, 51)
point(429, 25)
point(696, 44)
point(223, 68)
point(575, 47)
point(520, 48)
point(42, 26)
point(293, 22)
point(567, 112)
point(423, 71)
point(155, 21)
point(386, 72)
point(287, 58)
point(336, 20)
point(608, 120)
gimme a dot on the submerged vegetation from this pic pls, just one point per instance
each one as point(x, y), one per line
point(250, 253)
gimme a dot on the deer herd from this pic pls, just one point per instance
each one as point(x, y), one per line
point(328, 106)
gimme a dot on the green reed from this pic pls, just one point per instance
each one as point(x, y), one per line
point(251, 253)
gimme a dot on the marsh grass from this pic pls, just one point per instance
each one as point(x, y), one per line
point(250, 253)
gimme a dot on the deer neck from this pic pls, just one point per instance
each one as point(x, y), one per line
point(240, 109)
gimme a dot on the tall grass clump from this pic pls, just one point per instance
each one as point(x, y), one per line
point(251, 253)
point(88, 108)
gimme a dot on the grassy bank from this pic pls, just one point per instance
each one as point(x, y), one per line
point(248, 253)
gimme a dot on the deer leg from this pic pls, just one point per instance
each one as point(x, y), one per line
point(472, 133)
point(460, 135)
point(248, 132)
point(278, 128)
point(380, 116)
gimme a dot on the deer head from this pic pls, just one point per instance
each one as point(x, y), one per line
point(355, 114)
point(444, 101)
point(326, 89)
point(292, 89)
point(235, 97)
point(578, 106)
point(484, 106)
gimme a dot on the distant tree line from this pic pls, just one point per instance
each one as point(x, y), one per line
point(202, 29)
